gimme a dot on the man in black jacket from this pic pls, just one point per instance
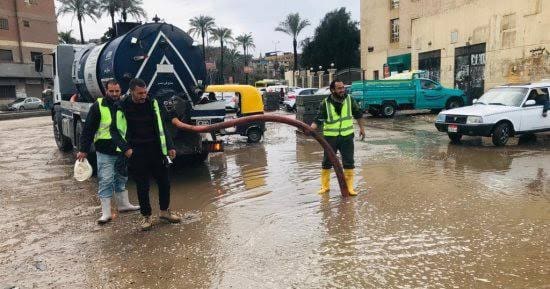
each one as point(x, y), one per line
point(97, 130)
point(139, 131)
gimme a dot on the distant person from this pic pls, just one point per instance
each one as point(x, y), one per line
point(212, 97)
point(336, 114)
point(111, 166)
point(139, 131)
point(282, 95)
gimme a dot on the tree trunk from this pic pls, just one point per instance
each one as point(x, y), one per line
point(203, 47)
point(81, 32)
point(124, 14)
point(112, 12)
point(245, 65)
point(295, 43)
point(221, 64)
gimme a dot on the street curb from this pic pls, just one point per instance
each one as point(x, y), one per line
point(19, 115)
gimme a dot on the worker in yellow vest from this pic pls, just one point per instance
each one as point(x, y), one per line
point(111, 166)
point(336, 114)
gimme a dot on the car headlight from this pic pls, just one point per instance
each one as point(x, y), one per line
point(441, 118)
point(474, 120)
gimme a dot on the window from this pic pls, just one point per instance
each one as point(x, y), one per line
point(428, 84)
point(376, 75)
point(26, 23)
point(6, 55)
point(35, 54)
point(394, 4)
point(4, 24)
point(394, 30)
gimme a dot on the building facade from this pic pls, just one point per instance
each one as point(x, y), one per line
point(27, 28)
point(468, 44)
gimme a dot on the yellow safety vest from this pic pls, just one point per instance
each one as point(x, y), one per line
point(122, 126)
point(338, 125)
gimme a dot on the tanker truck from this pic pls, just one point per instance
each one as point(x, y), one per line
point(159, 53)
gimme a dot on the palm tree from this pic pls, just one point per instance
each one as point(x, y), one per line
point(81, 9)
point(223, 35)
point(132, 7)
point(246, 41)
point(200, 26)
point(292, 26)
point(66, 37)
point(111, 7)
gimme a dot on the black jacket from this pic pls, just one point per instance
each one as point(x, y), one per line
point(322, 113)
point(92, 125)
point(123, 143)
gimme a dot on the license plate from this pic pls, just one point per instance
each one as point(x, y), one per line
point(203, 122)
point(452, 128)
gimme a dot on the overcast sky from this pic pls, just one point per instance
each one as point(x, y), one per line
point(259, 17)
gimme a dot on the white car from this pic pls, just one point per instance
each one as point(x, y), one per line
point(26, 103)
point(500, 113)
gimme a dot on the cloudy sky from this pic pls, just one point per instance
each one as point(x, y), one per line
point(259, 17)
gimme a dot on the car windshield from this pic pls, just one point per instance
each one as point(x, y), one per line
point(509, 96)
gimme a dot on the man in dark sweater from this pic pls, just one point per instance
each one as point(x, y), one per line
point(336, 114)
point(97, 130)
point(139, 131)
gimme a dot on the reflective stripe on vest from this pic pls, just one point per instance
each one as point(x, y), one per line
point(122, 126)
point(338, 125)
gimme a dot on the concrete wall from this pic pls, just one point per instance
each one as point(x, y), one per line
point(511, 29)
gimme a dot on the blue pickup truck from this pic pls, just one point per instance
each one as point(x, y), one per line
point(385, 97)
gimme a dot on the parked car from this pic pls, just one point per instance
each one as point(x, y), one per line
point(385, 97)
point(500, 113)
point(26, 103)
point(290, 101)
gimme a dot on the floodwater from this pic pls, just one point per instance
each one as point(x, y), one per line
point(429, 215)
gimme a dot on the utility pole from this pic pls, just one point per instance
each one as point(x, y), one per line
point(19, 40)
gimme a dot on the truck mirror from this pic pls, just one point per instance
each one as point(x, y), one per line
point(39, 63)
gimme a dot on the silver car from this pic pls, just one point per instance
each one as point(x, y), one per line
point(26, 103)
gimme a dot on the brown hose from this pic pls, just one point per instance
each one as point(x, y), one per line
point(274, 118)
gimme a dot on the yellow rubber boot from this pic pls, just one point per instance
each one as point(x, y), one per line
point(325, 182)
point(349, 181)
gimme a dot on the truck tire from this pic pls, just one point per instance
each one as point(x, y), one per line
point(254, 135)
point(63, 143)
point(501, 134)
point(454, 103)
point(388, 110)
point(455, 137)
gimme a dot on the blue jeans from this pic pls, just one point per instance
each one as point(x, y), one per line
point(109, 179)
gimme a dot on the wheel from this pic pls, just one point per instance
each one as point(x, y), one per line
point(63, 143)
point(454, 103)
point(388, 110)
point(501, 134)
point(40, 107)
point(21, 108)
point(455, 137)
point(254, 135)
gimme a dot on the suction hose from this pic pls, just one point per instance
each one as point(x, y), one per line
point(273, 118)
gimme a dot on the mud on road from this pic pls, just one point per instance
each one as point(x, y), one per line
point(429, 215)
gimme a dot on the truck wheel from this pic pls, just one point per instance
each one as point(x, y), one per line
point(388, 110)
point(501, 134)
point(254, 135)
point(454, 103)
point(455, 137)
point(63, 143)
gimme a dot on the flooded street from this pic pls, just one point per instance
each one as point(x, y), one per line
point(429, 214)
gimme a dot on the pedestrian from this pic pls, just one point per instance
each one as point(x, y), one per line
point(336, 114)
point(140, 132)
point(111, 177)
